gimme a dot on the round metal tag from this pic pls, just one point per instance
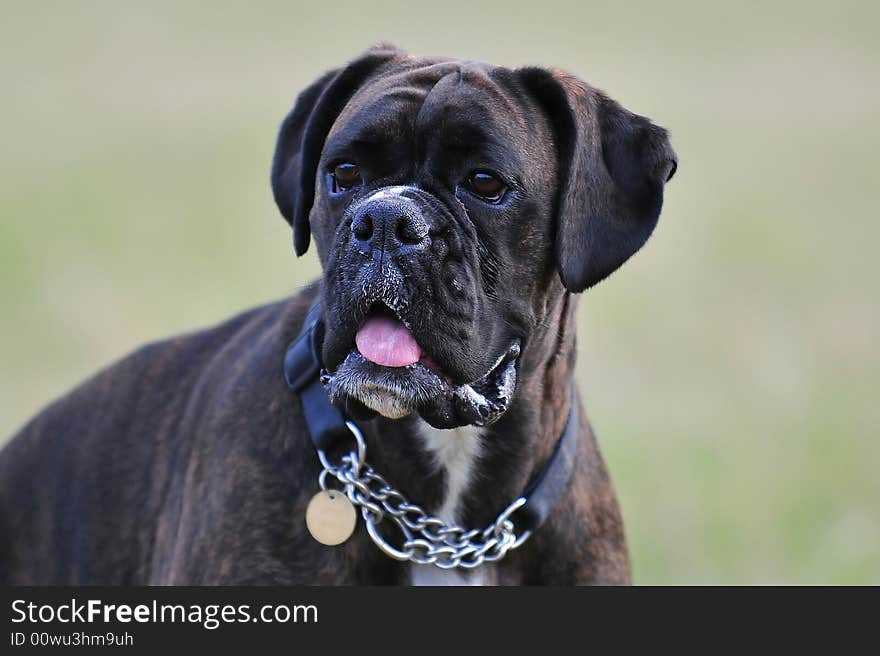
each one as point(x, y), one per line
point(330, 517)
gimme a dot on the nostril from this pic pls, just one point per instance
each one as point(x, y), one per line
point(411, 230)
point(362, 227)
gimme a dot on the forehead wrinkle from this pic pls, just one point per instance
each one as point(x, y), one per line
point(464, 89)
point(379, 97)
point(387, 115)
point(478, 78)
point(414, 104)
point(454, 87)
point(458, 112)
point(408, 84)
point(426, 103)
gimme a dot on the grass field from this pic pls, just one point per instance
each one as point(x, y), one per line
point(729, 369)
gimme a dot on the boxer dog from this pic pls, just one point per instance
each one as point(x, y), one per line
point(457, 209)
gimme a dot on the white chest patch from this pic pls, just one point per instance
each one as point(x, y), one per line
point(456, 452)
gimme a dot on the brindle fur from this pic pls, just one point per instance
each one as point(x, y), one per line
point(188, 462)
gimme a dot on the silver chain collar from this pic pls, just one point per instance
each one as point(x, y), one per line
point(428, 539)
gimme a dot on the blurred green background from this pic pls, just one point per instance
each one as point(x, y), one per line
point(729, 369)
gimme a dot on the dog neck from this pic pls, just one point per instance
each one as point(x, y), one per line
point(467, 475)
point(514, 449)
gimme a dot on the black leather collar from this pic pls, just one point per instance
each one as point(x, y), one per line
point(327, 427)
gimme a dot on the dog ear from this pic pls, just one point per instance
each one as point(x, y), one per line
point(302, 134)
point(612, 168)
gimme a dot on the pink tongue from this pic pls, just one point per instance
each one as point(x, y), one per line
point(387, 342)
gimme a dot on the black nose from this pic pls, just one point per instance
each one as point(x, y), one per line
point(388, 226)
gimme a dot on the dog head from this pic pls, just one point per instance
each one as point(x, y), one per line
point(450, 201)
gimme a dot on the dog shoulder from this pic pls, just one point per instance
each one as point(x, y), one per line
point(112, 446)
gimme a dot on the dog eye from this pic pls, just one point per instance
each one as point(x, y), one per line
point(345, 176)
point(486, 185)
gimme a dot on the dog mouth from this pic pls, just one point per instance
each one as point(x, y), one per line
point(388, 372)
